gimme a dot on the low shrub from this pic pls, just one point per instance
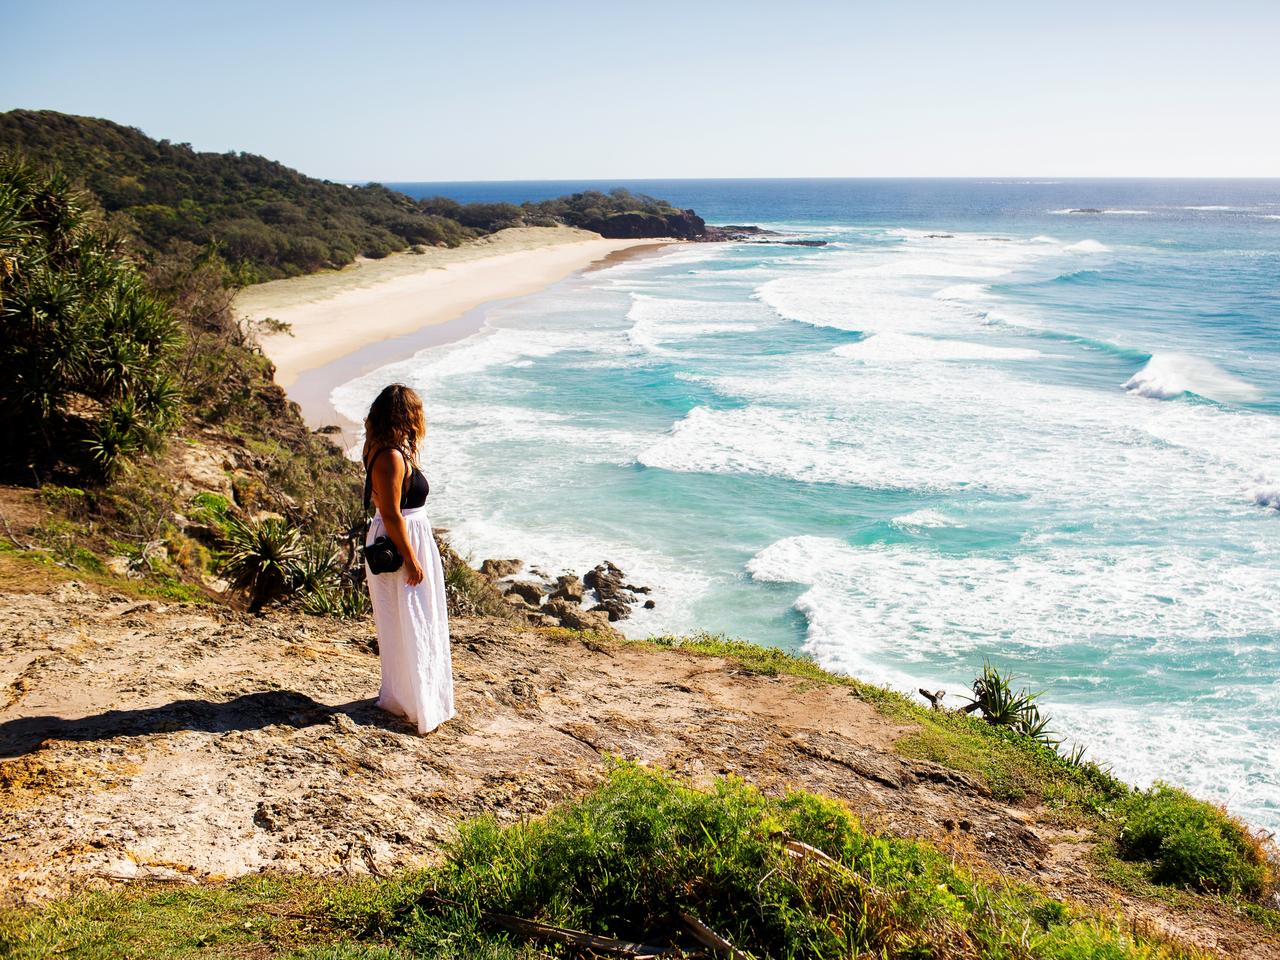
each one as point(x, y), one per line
point(342, 598)
point(1193, 844)
point(623, 860)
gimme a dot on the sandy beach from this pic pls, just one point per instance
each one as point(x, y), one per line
point(337, 314)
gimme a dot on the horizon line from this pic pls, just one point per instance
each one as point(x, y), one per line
point(1011, 179)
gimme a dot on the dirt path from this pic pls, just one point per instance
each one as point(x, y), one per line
point(191, 743)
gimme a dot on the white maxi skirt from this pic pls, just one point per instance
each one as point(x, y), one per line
point(413, 630)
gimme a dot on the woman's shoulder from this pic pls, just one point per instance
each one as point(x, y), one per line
point(399, 457)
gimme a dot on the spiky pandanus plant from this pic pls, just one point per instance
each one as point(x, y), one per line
point(264, 558)
point(88, 349)
point(1002, 706)
point(326, 588)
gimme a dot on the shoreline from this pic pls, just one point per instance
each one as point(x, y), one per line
point(342, 324)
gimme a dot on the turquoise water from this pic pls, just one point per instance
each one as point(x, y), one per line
point(973, 425)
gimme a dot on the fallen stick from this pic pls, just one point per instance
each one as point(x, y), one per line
point(709, 938)
point(934, 698)
point(577, 938)
point(800, 850)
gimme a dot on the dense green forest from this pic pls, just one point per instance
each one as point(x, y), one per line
point(268, 220)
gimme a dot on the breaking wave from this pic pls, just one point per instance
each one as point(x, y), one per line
point(1170, 375)
point(1088, 246)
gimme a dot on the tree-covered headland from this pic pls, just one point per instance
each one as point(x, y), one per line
point(268, 221)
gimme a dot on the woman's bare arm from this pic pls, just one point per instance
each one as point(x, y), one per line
point(388, 480)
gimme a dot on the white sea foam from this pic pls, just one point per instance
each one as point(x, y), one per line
point(1002, 318)
point(933, 613)
point(911, 597)
point(1170, 375)
point(1210, 206)
point(889, 426)
point(926, 518)
point(659, 320)
point(1267, 492)
point(914, 265)
point(1114, 211)
point(491, 347)
point(963, 291)
point(850, 301)
point(892, 289)
point(901, 348)
point(1088, 246)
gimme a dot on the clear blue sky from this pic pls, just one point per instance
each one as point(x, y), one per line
point(696, 88)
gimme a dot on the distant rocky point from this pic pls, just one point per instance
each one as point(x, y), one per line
point(750, 233)
point(638, 225)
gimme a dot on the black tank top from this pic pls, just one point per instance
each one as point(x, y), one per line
point(415, 489)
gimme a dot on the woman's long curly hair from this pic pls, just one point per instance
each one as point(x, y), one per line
point(395, 420)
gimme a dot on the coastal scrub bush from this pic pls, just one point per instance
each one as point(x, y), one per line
point(325, 589)
point(795, 876)
point(1190, 843)
point(341, 597)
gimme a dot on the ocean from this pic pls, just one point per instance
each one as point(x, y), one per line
point(975, 425)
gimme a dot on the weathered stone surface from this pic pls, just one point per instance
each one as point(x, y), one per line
point(529, 590)
point(203, 469)
point(574, 617)
point(568, 587)
point(607, 581)
point(497, 569)
point(613, 608)
point(615, 595)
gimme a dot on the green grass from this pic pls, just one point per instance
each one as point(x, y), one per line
point(283, 915)
point(211, 508)
point(1137, 877)
point(616, 862)
point(1156, 843)
point(1015, 767)
point(36, 569)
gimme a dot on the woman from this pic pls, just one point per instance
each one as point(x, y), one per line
point(408, 604)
